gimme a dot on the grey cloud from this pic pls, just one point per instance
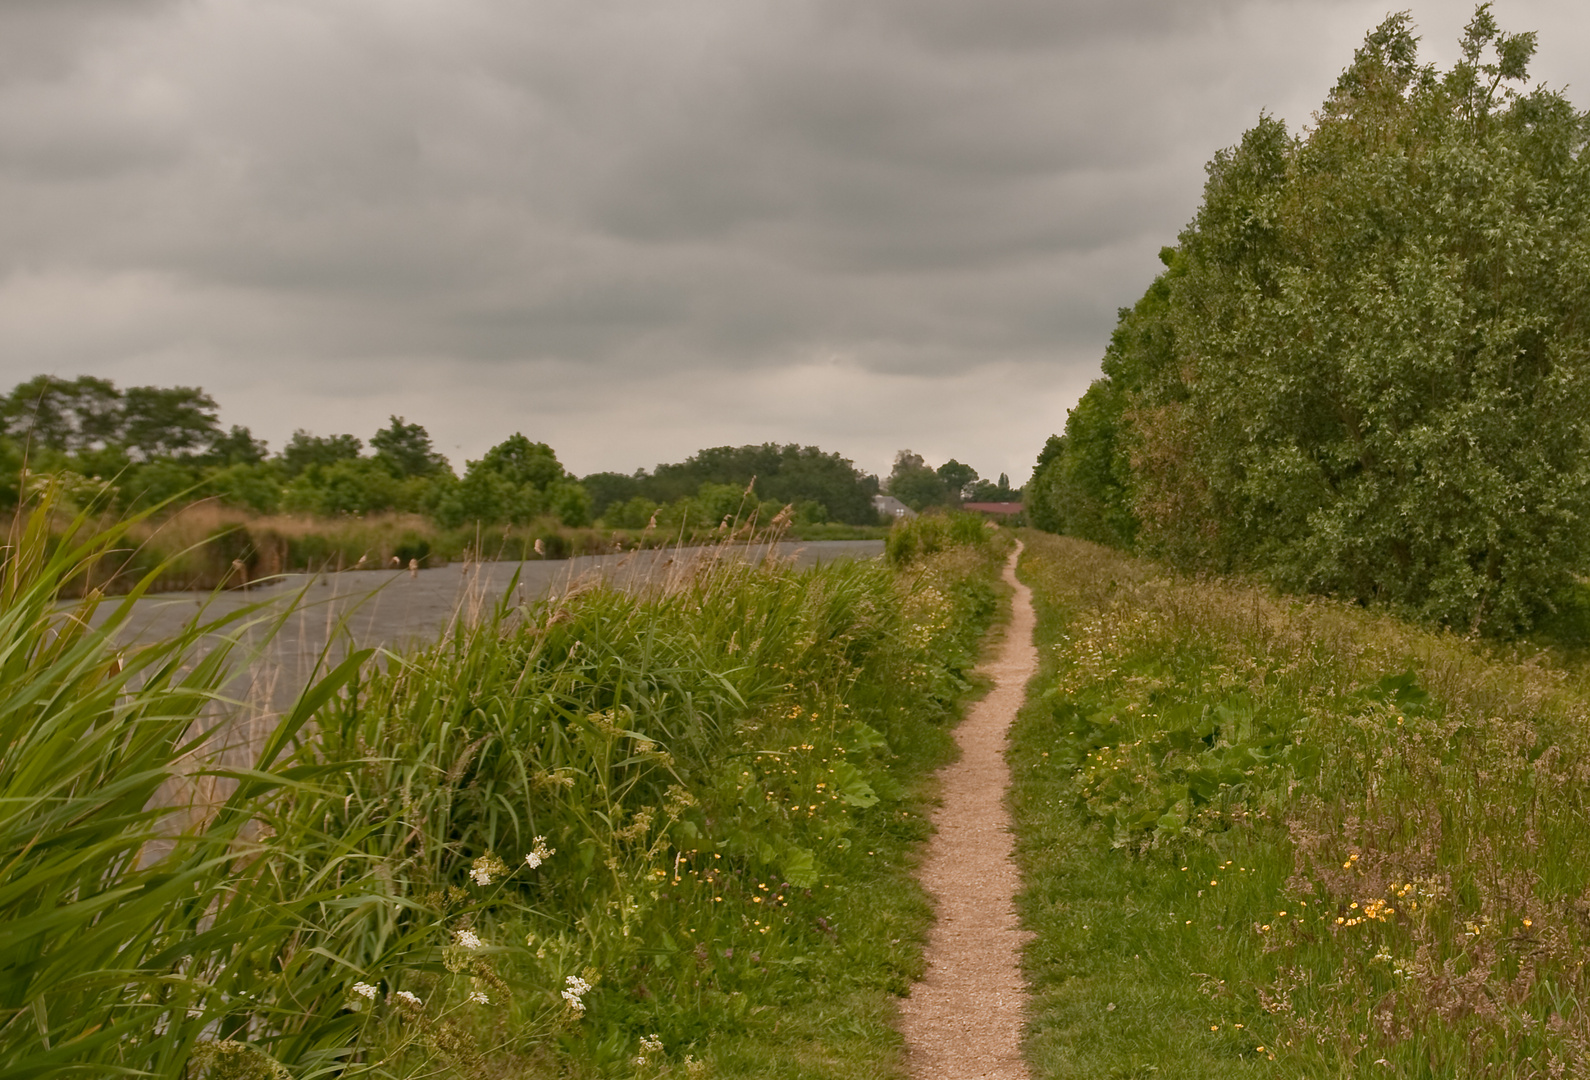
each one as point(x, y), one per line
point(469, 211)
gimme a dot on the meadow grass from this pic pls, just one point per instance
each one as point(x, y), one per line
point(1271, 836)
point(611, 834)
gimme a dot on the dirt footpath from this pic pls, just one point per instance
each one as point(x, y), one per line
point(964, 1018)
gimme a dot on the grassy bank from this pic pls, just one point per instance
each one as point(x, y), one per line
point(1267, 836)
point(614, 835)
point(205, 545)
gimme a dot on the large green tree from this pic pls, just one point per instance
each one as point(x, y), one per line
point(168, 421)
point(405, 450)
point(1369, 375)
point(304, 450)
point(787, 474)
point(917, 484)
point(68, 415)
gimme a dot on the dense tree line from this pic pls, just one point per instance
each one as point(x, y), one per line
point(150, 445)
point(921, 486)
point(147, 445)
point(1364, 369)
point(820, 486)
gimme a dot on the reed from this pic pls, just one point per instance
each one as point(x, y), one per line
point(124, 919)
point(612, 833)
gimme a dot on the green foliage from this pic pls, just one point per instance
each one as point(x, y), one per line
point(515, 482)
point(157, 482)
point(405, 450)
point(994, 491)
point(720, 503)
point(353, 486)
point(569, 503)
point(720, 786)
point(47, 413)
point(237, 447)
point(522, 463)
point(256, 487)
point(1082, 488)
point(1362, 373)
point(786, 474)
point(704, 778)
point(635, 513)
point(957, 478)
point(132, 926)
point(1292, 838)
point(915, 484)
point(928, 534)
point(304, 451)
point(612, 489)
point(159, 421)
point(10, 472)
point(487, 497)
point(86, 414)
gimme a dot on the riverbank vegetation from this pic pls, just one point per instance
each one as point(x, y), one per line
point(1265, 836)
point(1362, 371)
point(227, 511)
point(666, 833)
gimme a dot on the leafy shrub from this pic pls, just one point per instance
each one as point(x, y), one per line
point(912, 538)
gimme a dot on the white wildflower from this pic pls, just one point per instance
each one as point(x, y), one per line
point(486, 869)
point(651, 1044)
point(404, 995)
point(577, 989)
point(479, 998)
point(364, 990)
point(540, 853)
point(468, 939)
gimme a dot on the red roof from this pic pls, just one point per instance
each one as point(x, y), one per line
point(1004, 509)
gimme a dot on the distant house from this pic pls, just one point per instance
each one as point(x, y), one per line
point(892, 507)
point(1002, 510)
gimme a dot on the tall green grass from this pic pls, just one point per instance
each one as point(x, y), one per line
point(718, 784)
point(123, 912)
point(1277, 837)
point(927, 534)
point(712, 774)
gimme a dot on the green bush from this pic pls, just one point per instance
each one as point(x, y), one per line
point(913, 538)
point(257, 487)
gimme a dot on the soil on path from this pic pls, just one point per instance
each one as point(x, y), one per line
point(964, 1018)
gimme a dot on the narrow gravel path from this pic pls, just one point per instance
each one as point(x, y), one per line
point(964, 1018)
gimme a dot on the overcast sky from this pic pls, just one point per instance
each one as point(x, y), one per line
point(635, 228)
